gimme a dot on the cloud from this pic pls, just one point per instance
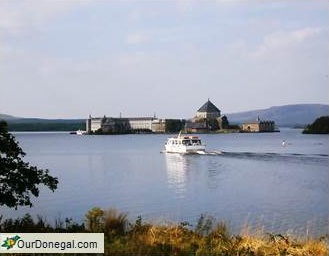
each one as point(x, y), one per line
point(283, 41)
point(17, 16)
point(137, 38)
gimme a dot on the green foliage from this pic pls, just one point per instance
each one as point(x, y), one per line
point(27, 224)
point(319, 126)
point(225, 123)
point(111, 222)
point(174, 125)
point(115, 223)
point(234, 127)
point(95, 220)
point(18, 180)
point(213, 124)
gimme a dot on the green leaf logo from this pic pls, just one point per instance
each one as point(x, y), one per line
point(10, 242)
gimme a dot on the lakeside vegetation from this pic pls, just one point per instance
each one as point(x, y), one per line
point(206, 237)
point(319, 126)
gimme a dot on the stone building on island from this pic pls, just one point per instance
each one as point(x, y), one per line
point(207, 118)
point(121, 125)
point(259, 126)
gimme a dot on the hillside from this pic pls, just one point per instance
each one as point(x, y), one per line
point(287, 115)
point(7, 117)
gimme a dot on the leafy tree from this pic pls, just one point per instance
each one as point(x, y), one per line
point(213, 124)
point(225, 123)
point(18, 180)
point(173, 125)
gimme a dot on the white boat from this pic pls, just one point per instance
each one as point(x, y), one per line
point(185, 144)
point(80, 132)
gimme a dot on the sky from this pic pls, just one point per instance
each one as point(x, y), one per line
point(75, 58)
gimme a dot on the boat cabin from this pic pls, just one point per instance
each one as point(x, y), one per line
point(186, 141)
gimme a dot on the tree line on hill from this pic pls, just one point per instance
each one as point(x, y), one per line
point(30, 125)
point(319, 126)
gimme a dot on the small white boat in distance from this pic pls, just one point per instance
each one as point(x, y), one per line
point(185, 144)
point(81, 132)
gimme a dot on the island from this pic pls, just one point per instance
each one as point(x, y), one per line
point(319, 126)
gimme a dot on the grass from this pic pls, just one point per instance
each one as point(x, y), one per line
point(208, 237)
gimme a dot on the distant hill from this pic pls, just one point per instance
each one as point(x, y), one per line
point(7, 117)
point(288, 115)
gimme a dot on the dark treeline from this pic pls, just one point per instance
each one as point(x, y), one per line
point(319, 126)
point(46, 125)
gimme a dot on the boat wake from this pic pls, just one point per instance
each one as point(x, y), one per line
point(269, 155)
point(262, 156)
point(199, 152)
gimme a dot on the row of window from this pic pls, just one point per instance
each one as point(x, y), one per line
point(185, 142)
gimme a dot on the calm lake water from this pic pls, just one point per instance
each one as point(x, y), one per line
point(255, 181)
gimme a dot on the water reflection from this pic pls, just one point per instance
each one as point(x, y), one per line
point(213, 167)
point(176, 172)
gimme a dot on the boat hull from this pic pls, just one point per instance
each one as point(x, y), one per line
point(184, 149)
